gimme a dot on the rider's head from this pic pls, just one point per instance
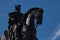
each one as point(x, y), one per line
point(17, 8)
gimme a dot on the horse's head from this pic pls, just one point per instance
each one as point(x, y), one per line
point(38, 13)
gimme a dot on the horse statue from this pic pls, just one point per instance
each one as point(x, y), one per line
point(22, 26)
point(29, 30)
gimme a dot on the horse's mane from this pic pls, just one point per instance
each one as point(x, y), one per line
point(36, 8)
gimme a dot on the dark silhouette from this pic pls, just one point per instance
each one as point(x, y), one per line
point(21, 26)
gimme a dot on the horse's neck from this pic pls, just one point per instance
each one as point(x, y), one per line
point(28, 19)
point(27, 22)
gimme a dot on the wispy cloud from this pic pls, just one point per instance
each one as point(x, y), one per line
point(56, 33)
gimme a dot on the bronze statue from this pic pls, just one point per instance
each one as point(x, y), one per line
point(21, 26)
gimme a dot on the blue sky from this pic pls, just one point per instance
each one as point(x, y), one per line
point(50, 28)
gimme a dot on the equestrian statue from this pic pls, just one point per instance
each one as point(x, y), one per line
point(21, 26)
